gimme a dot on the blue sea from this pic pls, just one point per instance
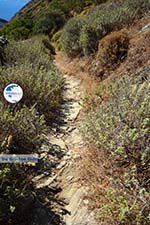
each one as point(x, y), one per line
point(8, 8)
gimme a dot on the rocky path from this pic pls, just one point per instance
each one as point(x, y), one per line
point(66, 144)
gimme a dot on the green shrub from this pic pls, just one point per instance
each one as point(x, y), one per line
point(25, 128)
point(50, 22)
point(121, 209)
point(140, 5)
point(113, 48)
point(121, 123)
point(23, 125)
point(88, 39)
point(20, 33)
point(59, 5)
point(106, 18)
point(73, 5)
point(41, 87)
point(15, 190)
point(68, 5)
point(76, 5)
point(120, 127)
point(18, 28)
point(102, 21)
point(41, 81)
point(70, 37)
point(29, 51)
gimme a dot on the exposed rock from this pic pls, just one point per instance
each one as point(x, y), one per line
point(62, 164)
point(146, 28)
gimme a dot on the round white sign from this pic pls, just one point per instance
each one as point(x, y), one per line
point(13, 93)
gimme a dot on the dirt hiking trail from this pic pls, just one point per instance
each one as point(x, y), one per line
point(67, 145)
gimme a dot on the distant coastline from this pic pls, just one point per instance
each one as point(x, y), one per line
point(2, 22)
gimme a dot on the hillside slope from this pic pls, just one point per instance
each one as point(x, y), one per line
point(34, 8)
point(85, 70)
point(2, 22)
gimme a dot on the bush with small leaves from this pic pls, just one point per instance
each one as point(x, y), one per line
point(28, 51)
point(120, 126)
point(122, 122)
point(41, 87)
point(50, 22)
point(18, 28)
point(113, 48)
point(88, 38)
point(121, 209)
point(15, 192)
point(68, 5)
point(106, 18)
point(20, 33)
point(70, 37)
point(21, 131)
point(140, 5)
point(23, 125)
point(30, 66)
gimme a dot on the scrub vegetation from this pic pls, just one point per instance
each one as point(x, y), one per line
point(108, 35)
point(24, 125)
point(120, 128)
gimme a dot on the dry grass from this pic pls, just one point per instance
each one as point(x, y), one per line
point(95, 168)
point(77, 67)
